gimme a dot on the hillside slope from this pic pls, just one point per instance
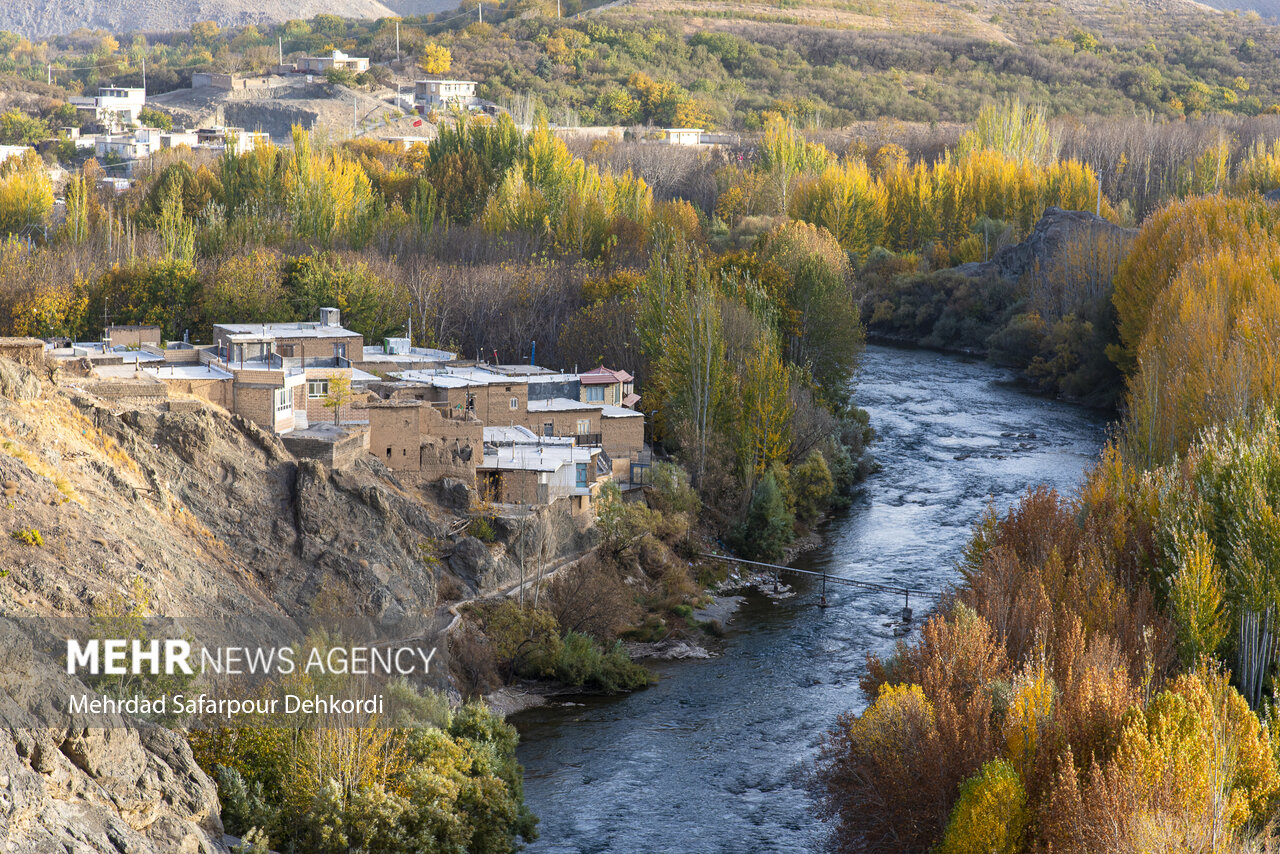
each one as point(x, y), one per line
point(41, 18)
point(224, 535)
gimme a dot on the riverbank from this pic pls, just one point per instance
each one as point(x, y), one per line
point(729, 736)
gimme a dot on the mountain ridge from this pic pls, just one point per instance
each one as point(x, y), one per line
point(36, 19)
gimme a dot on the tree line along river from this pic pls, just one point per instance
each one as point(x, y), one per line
point(712, 758)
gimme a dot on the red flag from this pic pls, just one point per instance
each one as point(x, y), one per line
point(417, 123)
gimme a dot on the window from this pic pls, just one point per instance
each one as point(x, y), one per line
point(515, 403)
point(548, 428)
point(340, 351)
point(584, 426)
point(595, 394)
point(283, 400)
point(286, 351)
point(582, 475)
point(317, 388)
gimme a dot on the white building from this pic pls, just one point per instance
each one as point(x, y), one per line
point(7, 151)
point(137, 145)
point(114, 105)
point(430, 94)
point(337, 59)
point(683, 136)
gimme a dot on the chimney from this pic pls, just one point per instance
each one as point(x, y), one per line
point(330, 317)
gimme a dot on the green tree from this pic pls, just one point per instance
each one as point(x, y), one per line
point(769, 527)
point(155, 119)
point(813, 486)
point(18, 128)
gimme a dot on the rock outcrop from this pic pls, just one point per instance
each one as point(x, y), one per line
point(231, 539)
point(1056, 230)
point(126, 786)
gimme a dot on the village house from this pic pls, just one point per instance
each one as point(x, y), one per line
point(131, 337)
point(440, 94)
point(615, 388)
point(7, 151)
point(428, 441)
point(520, 467)
point(616, 430)
point(683, 136)
point(295, 362)
point(337, 59)
point(137, 144)
point(114, 106)
point(237, 140)
point(493, 398)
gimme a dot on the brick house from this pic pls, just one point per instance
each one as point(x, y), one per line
point(614, 388)
point(418, 438)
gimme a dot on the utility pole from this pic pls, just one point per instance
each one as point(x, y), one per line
point(397, 41)
point(480, 12)
point(557, 8)
point(280, 45)
point(144, 75)
point(51, 74)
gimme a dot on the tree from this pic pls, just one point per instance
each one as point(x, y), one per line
point(18, 128)
point(435, 59)
point(339, 396)
point(821, 327)
point(26, 195)
point(813, 486)
point(784, 154)
point(155, 119)
point(769, 527)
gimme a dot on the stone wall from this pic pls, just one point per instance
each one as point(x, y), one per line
point(339, 451)
point(26, 351)
point(121, 389)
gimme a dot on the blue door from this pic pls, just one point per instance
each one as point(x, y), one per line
point(582, 475)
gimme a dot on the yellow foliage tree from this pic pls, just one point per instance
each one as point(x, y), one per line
point(26, 195)
point(435, 58)
point(990, 815)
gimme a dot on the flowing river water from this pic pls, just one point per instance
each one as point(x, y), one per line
point(712, 758)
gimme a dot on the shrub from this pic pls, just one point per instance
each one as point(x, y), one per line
point(880, 774)
point(582, 662)
point(483, 530)
point(28, 537)
point(991, 814)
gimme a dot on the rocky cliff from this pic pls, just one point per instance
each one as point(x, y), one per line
point(1044, 246)
point(227, 535)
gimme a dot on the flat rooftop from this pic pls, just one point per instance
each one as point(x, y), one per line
point(547, 458)
point(251, 332)
point(516, 435)
point(564, 404)
point(458, 377)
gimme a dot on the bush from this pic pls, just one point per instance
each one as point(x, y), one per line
point(483, 530)
point(991, 814)
point(582, 662)
point(28, 537)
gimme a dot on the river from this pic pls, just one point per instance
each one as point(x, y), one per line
point(712, 757)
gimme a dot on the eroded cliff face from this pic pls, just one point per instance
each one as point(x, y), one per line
point(130, 787)
point(232, 539)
